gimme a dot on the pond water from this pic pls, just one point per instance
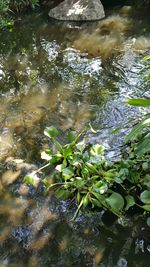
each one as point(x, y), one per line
point(67, 75)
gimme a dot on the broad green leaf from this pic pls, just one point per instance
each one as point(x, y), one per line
point(145, 196)
point(137, 129)
point(138, 102)
point(97, 150)
point(130, 202)
point(110, 173)
point(67, 151)
point(51, 132)
point(143, 146)
point(148, 221)
point(81, 145)
point(71, 136)
point(67, 173)
point(146, 207)
point(115, 201)
point(79, 182)
point(100, 187)
point(62, 193)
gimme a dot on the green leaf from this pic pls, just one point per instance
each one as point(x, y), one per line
point(115, 201)
point(58, 146)
point(143, 146)
point(67, 151)
point(146, 58)
point(137, 129)
point(67, 173)
point(148, 221)
point(146, 207)
point(78, 197)
point(130, 202)
point(100, 198)
point(95, 202)
point(51, 132)
point(62, 193)
point(79, 182)
point(138, 102)
point(145, 196)
point(29, 180)
point(85, 201)
point(61, 167)
point(81, 145)
point(100, 187)
point(97, 150)
point(146, 180)
point(56, 159)
point(71, 136)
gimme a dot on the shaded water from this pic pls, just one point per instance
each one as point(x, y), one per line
point(67, 75)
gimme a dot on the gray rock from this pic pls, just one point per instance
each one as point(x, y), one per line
point(78, 10)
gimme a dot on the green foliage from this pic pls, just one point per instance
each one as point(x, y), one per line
point(4, 6)
point(81, 172)
point(140, 132)
point(9, 7)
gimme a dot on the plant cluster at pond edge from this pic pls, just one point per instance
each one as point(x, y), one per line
point(81, 172)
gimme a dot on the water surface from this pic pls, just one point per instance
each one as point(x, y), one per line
point(67, 75)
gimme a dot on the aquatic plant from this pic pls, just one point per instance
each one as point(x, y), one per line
point(81, 172)
point(141, 131)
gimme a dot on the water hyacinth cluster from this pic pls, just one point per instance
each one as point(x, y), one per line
point(81, 172)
